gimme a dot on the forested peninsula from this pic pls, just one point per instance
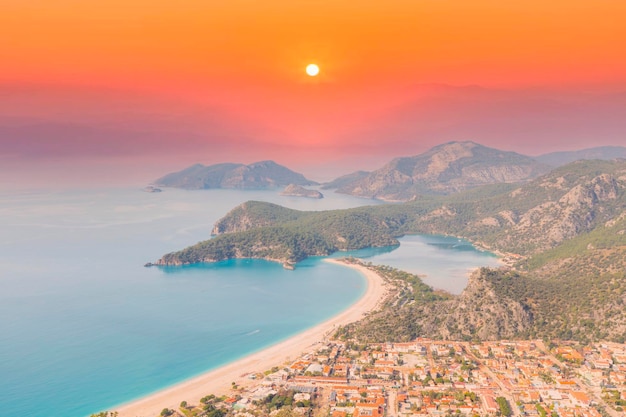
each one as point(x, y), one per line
point(563, 236)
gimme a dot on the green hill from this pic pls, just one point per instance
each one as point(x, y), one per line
point(563, 236)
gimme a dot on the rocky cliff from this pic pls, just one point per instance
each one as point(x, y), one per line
point(567, 202)
point(479, 313)
point(293, 190)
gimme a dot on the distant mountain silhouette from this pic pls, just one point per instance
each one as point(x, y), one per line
point(444, 169)
point(264, 174)
point(605, 153)
point(526, 120)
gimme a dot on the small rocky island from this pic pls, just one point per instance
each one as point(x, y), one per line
point(152, 189)
point(294, 190)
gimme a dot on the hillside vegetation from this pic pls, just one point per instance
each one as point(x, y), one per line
point(563, 236)
point(416, 310)
point(264, 230)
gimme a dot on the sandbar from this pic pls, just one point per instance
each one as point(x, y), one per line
point(218, 381)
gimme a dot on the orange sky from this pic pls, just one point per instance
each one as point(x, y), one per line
point(247, 57)
point(267, 43)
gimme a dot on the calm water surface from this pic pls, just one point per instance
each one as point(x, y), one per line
point(84, 326)
point(443, 262)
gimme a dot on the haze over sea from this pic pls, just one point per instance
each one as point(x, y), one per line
point(84, 326)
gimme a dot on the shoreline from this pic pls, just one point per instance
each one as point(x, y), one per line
point(218, 381)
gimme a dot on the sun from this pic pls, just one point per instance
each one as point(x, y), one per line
point(312, 70)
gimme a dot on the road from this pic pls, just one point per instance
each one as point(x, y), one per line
point(392, 403)
point(503, 390)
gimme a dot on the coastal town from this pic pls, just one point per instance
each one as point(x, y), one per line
point(431, 378)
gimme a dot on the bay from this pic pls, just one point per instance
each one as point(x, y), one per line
point(84, 326)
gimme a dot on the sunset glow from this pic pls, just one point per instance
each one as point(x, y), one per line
point(224, 78)
point(312, 70)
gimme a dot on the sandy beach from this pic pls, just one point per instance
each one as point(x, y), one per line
point(218, 381)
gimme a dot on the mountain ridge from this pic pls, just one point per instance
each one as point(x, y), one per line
point(561, 158)
point(444, 169)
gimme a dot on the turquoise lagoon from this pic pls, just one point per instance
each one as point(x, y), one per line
point(84, 326)
point(443, 262)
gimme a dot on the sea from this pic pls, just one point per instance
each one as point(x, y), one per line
point(84, 326)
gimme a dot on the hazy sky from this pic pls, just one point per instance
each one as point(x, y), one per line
point(132, 89)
